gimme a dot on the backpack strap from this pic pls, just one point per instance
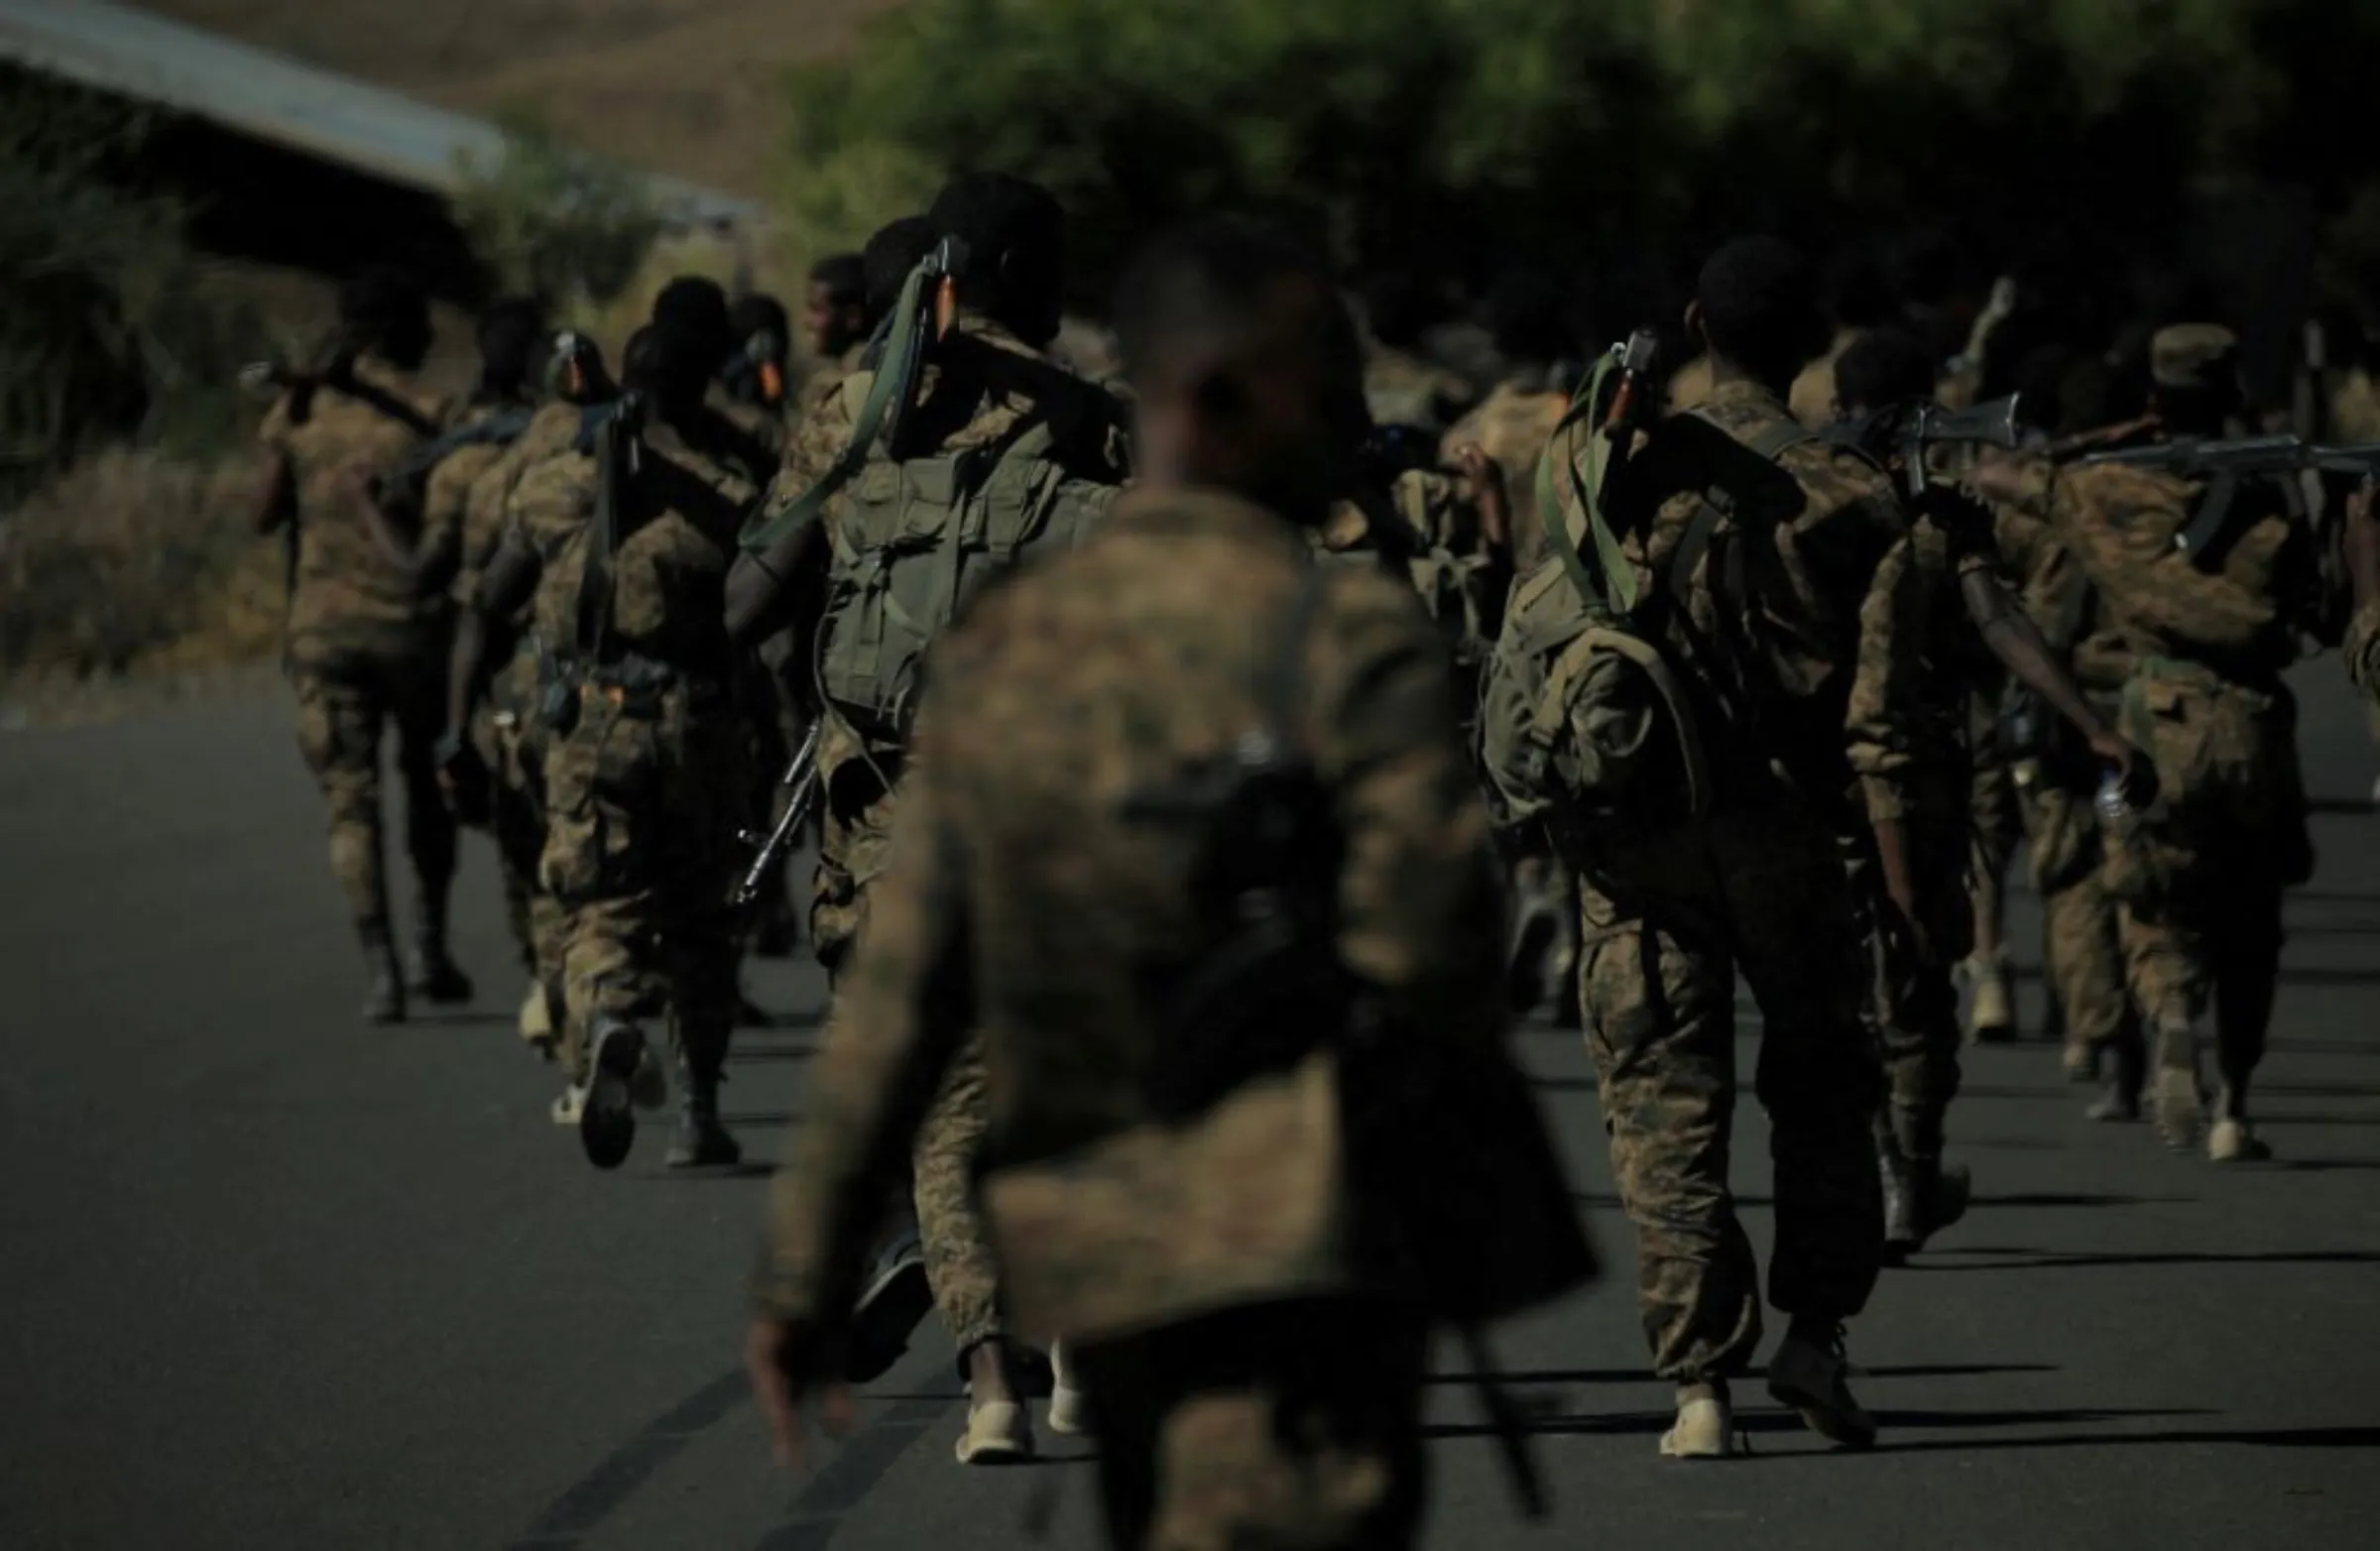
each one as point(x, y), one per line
point(1610, 584)
point(1770, 444)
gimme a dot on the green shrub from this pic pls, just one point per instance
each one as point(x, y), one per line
point(551, 221)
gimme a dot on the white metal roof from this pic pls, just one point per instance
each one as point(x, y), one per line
point(273, 97)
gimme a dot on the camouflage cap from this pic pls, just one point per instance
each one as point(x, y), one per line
point(2203, 356)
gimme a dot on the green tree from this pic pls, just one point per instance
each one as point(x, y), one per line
point(551, 221)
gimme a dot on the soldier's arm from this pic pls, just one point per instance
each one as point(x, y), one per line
point(902, 1005)
point(507, 583)
point(2027, 653)
point(1421, 911)
point(1880, 720)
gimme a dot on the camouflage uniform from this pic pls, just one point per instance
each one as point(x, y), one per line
point(645, 794)
point(2082, 946)
point(1513, 426)
point(1402, 389)
point(969, 397)
point(1673, 906)
point(366, 646)
point(506, 727)
point(1245, 1390)
point(2200, 884)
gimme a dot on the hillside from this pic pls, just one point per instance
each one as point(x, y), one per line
point(682, 86)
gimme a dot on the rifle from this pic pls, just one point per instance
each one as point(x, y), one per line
point(2225, 464)
point(1908, 431)
point(802, 780)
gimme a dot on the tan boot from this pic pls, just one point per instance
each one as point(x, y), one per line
point(1069, 1406)
point(998, 1433)
point(2179, 1108)
point(537, 1021)
point(2232, 1141)
point(1706, 1425)
point(1991, 1015)
point(1813, 1377)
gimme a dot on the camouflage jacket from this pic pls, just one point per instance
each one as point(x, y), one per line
point(348, 597)
point(446, 503)
point(678, 520)
point(2057, 595)
point(1435, 542)
point(760, 434)
point(2364, 651)
point(1823, 639)
point(488, 505)
point(1024, 901)
point(1512, 427)
point(2239, 619)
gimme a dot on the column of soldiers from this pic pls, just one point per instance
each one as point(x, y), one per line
point(1177, 874)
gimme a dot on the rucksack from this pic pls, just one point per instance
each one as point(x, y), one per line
point(914, 540)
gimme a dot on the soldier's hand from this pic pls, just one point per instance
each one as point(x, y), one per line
point(1483, 485)
point(463, 778)
point(2133, 768)
point(776, 1357)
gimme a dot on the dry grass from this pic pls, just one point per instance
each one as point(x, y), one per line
point(134, 563)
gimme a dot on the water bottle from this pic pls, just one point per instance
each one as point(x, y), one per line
point(2118, 817)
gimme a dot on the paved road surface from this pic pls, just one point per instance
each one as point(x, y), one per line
point(269, 1280)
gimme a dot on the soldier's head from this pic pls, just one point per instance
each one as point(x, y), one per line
point(900, 247)
point(694, 308)
point(669, 366)
point(384, 312)
point(834, 310)
point(2193, 377)
point(1015, 239)
point(1246, 364)
point(575, 372)
point(1882, 368)
point(1755, 310)
point(762, 336)
point(512, 342)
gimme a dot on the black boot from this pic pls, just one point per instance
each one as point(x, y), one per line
point(431, 974)
point(700, 1141)
point(384, 1000)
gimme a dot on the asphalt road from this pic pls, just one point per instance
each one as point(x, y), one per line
point(272, 1279)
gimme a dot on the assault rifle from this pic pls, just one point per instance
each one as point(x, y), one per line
point(800, 781)
point(1906, 433)
point(2225, 464)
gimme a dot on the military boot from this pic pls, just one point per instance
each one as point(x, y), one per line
point(384, 996)
point(1901, 1234)
point(2231, 1139)
point(1069, 1403)
point(1706, 1424)
point(431, 973)
point(895, 1297)
point(537, 1021)
point(621, 1077)
point(1992, 1012)
point(700, 1141)
point(1811, 1373)
point(2119, 1101)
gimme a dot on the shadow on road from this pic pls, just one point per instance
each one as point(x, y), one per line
point(1642, 1375)
point(1965, 1260)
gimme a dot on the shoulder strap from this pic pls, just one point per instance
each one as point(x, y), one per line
point(615, 461)
point(1770, 444)
point(1610, 585)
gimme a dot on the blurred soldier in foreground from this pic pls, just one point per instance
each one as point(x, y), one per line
point(2363, 570)
point(1685, 692)
point(367, 628)
point(986, 450)
point(2209, 583)
point(1190, 839)
point(625, 546)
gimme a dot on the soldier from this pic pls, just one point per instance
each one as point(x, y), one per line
point(755, 373)
point(1970, 632)
point(2199, 878)
point(695, 309)
point(834, 310)
point(1068, 869)
point(625, 546)
point(2362, 540)
point(1401, 383)
point(367, 628)
point(505, 730)
point(1691, 761)
point(1857, 298)
point(990, 460)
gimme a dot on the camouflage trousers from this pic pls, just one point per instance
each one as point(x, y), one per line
point(344, 708)
point(514, 749)
point(1913, 1004)
point(855, 831)
point(1995, 820)
point(1292, 1427)
point(1669, 918)
point(2199, 884)
point(643, 806)
point(2082, 945)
